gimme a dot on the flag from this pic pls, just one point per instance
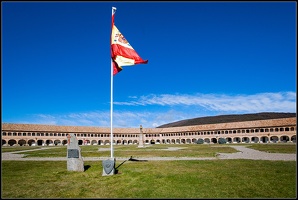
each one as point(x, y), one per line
point(122, 53)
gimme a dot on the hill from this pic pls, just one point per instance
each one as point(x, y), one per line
point(228, 118)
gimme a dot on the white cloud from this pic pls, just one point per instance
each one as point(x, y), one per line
point(167, 108)
point(269, 102)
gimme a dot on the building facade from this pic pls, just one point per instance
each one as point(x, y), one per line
point(259, 131)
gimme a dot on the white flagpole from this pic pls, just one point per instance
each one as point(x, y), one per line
point(112, 151)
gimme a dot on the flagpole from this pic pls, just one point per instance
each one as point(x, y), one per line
point(112, 151)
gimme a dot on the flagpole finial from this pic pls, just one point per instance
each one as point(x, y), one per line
point(114, 8)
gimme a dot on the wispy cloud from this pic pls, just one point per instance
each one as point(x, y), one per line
point(274, 102)
point(166, 108)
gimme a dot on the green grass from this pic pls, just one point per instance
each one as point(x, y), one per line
point(275, 148)
point(152, 179)
point(189, 150)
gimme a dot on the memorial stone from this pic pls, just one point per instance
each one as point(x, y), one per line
point(108, 167)
point(141, 142)
point(74, 159)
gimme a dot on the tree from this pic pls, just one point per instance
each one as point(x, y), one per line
point(222, 141)
point(200, 141)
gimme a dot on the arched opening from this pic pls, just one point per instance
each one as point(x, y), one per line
point(173, 141)
point(100, 142)
point(264, 139)
point(213, 140)
point(80, 142)
point(245, 140)
point(152, 141)
point(64, 142)
point(12, 142)
point(31, 142)
point(284, 139)
point(182, 141)
point(293, 139)
point(236, 140)
point(49, 143)
point(177, 141)
point(40, 143)
point(93, 142)
point(274, 139)
point(3, 143)
point(22, 142)
point(229, 140)
point(107, 142)
point(57, 142)
point(254, 140)
point(207, 140)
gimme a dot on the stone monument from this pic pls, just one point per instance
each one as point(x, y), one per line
point(108, 167)
point(74, 159)
point(141, 142)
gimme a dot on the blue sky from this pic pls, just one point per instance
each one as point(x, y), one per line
point(205, 59)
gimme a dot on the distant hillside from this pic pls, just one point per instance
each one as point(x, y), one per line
point(228, 118)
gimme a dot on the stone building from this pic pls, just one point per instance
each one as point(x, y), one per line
point(259, 131)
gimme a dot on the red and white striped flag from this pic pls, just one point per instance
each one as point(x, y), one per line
point(122, 52)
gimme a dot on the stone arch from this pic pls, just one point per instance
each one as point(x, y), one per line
point(80, 142)
point(207, 140)
point(177, 141)
point(4, 142)
point(64, 142)
point(40, 143)
point(135, 142)
point(254, 140)
point(194, 140)
point(173, 141)
point(106, 142)
point(118, 142)
point(93, 142)
point(49, 142)
point(274, 139)
point(152, 141)
point(284, 139)
point(264, 139)
point(157, 141)
point(22, 142)
point(293, 139)
point(229, 140)
point(31, 142)
point(100, 142)
point(57, 142)
point(188, 141)
point(236, 140)
point(129, 142)
point(12, 142)
point(182, 141)
point(245, 140)
point(213, 140)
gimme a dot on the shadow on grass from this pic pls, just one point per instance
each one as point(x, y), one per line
point(130, 159)
point(86, 167)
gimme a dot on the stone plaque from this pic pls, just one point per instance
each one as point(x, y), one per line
point(108, 166)
point(73, 153)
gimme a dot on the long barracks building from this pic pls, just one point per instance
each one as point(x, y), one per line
point(259, 131)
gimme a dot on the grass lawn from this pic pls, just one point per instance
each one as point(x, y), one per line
point(152, 179)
